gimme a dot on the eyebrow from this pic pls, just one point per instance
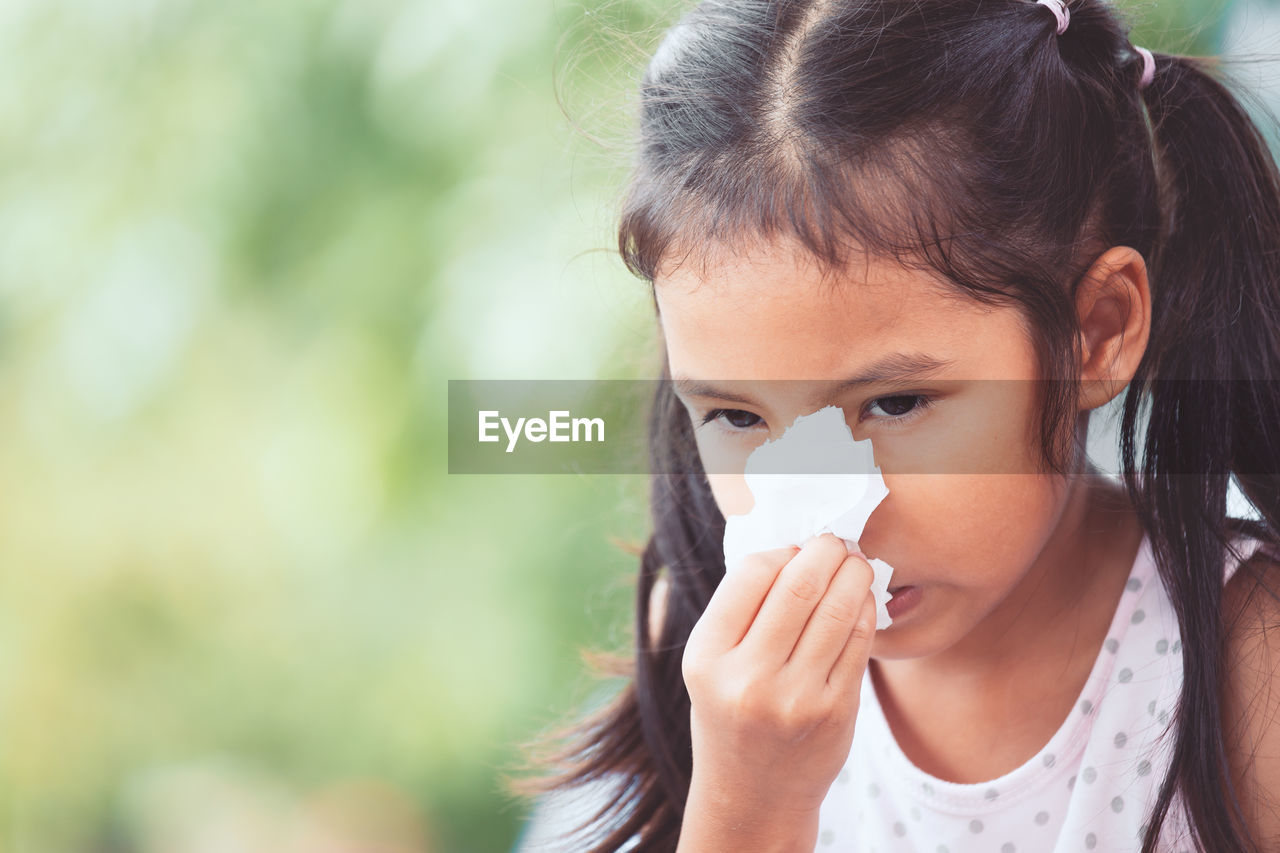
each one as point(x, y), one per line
point(897, 365)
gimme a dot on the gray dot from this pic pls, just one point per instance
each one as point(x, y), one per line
point(915, 813)
point(942, 848)
point(1177, 646)
point(1151, 707)
point(991, 794)
point(1091, 841)
point(873, 790)
point(1112, 644)
point(928, 789)
point(1144, 767)
point(1162, 646)
point(1071, 783)
point(1117, 805)
point(1049, 759)
point(1164, 717)
point(1007, 847)
point(1121, 739)
point(1086, 707)
point(1138, 616)
point(975, 826)
point(899, 829)
point(843, 778)
point(827, 836)
point(1089, 775)
point(1133, 584)
point(1042, 818)
point(1126, 675)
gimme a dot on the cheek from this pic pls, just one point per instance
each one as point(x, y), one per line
point(953, 528)
point(724, 459)
point(731, 493)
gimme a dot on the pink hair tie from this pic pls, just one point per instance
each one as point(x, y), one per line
point(1060, 11)
point(1148, 66)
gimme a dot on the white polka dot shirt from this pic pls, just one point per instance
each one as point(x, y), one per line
point(1088, 788)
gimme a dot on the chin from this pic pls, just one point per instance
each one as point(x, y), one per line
point(911, 642)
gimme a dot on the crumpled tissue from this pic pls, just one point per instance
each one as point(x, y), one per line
point(815, 478)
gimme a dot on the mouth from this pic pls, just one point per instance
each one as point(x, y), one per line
point(893, 590)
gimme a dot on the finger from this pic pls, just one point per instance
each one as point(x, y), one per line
point(827, 631)
point(791, 600)
point(736, 601)
point(846, 675)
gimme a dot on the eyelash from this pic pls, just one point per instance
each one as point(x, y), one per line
point(923, 402)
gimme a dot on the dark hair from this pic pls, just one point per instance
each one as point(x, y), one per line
point(967, 138)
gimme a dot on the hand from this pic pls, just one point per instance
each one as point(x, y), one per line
point(774, 668)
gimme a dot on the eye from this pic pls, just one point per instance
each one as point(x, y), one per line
point(901, 407)
point(735, 419)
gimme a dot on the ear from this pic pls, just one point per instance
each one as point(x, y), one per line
point(1113, 306)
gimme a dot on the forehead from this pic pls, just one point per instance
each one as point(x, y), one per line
point(773, 314)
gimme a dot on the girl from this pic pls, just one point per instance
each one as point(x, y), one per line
point(969, 224)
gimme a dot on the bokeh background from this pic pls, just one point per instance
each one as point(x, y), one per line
point(243, 247)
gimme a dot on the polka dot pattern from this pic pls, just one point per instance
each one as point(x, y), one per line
point(1088, 787)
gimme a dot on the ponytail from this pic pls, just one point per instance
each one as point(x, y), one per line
point(1210, 375)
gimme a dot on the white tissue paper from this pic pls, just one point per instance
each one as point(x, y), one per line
point(813, 479)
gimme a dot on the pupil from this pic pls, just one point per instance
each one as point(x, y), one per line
point(897, 405)
point(739, 418)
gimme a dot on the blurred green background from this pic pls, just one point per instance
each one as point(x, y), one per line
point(243, 245)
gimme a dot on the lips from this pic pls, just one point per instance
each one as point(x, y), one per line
point(893, 590)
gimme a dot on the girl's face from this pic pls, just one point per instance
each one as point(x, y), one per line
point(965, 538)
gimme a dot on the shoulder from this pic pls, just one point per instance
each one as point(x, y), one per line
point(1251, 692)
